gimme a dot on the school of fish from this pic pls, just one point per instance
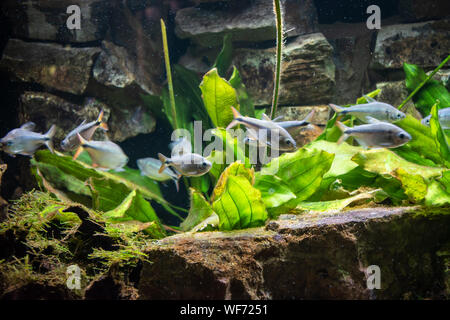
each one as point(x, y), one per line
point(378, 131)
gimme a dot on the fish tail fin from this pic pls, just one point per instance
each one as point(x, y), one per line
point(100, 122)
point(343, 128)
point(342, 139)
point(80, 148)
point(310, 116)
point(49, 138)
point(163, 160)
point(236, 116)
point(337, 109)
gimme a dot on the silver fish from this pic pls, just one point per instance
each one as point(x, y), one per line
point(375, 135)
point(86, 130)
point(444, 118)
point(105, 155)
point(188, 164)
point(25, 142)
point(263, 130)
point(292, 125)
point(149, 167)
point(373, 109)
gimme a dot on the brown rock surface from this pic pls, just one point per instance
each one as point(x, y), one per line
point(247, 21)
point(307, 72)
point(305, 257)
point(46, 19)
point(50, 65)
point(425, 44)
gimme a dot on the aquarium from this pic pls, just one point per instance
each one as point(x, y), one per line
point(223, 149)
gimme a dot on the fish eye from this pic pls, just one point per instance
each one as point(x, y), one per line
point(204, 164)
point(399, 115)
point(401, 136)
point(288, 141)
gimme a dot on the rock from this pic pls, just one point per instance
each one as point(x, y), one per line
point(47, 20)
point(139, 32)
point(320, 117)
point(352, 46)
point(114, 68)
point(305, 257)
point(416, 10)
point(46, 109)
point(246, 21)
point(425, 44)
point(394, 93)
point(304, 135)
point(307, 72)
point(50, 65)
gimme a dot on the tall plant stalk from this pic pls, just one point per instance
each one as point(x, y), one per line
point(169, 74)
point(424, 82)
point(276, 84)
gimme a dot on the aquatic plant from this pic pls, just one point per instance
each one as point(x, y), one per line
point(279, 39)
point(319, 176)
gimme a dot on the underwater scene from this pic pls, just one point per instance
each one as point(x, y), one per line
point(224, 150)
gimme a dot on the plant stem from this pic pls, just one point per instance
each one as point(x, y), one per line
point(169, 74)
point(424, 82)
point(279, 27)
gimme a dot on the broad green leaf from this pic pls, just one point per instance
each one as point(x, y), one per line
point(414, 185)
point(302, 170)
point(245, 102)
point(439, 136)
point(223, 60)
point(274, 191)
point(111, 187)
point(235, 169)
point(334, 205)
point(218, 96)
point(445, 181)
point(422, 142)
point(437, 195)
point(217, 158)
point(233, 147)
point(239, 205)
point(135, 207)
point(384, 161)
point(199, 210)
point(426, 97)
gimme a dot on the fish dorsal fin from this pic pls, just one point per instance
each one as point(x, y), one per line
point(28, 126)
point(265, 117)
point(180, 147)
point(369, 99)
point(279, 118)
point(371, 119)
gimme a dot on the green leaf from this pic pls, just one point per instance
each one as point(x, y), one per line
point(274, 191)
point(302, 171)
point(437, 195)
point(235, 169)
point(223, 60)
point(135, 207)
point(233, 147)
point(200, 209)
point(426, 97)
point(239, 205)
point(111, 187)
point(439, 136)
point(384, 161)
point(218, 96)
point(333, 205)
point(422, 144)
point(414, 185)
point(247, 107)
